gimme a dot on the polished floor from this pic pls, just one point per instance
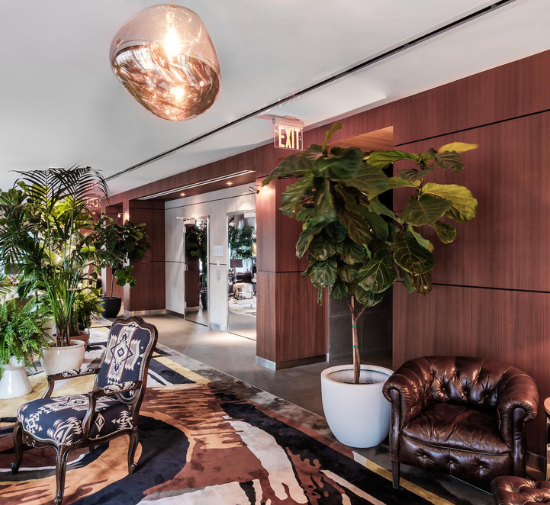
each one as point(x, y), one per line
point(236, 356)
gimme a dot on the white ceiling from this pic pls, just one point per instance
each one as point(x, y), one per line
point(60, 103)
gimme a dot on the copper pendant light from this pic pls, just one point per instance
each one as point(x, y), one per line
point(165, 59)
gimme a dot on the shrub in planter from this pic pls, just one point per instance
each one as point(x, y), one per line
point(357, 247)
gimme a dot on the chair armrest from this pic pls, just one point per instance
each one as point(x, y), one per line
point(408, 390)
point(517, 403)
point(109, 390)
point(68, 374)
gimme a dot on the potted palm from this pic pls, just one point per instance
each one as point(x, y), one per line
point(358, 247)
point(21, 339)
point(42, 242)
point(196, 243)
point(115, 246)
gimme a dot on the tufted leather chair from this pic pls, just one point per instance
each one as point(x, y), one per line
point(518, 491)
point(463, 416)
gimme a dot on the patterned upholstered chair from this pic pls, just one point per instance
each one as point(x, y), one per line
point(110, 410)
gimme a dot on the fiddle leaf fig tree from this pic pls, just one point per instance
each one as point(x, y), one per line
point(355, 244)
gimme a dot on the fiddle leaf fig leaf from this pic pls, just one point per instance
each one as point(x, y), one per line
point(425, 243)
point(379, 208)
point(464, 205)
point(358, 229)
point(381, 159)
point(445, 232)
point(294, 165)
point(324, 274)
point(324, 203)
point(377, 223)
point(411, 256)
point(407, 281)
point(449, 159)
point(341, 166)
point(422, 283)
point(378, 274)
point(305, 239)
point(335, 127)
point(351, 253)
point(337, 231)
point(322, 247)
point(427, 209)
point(368, 298)
point(339, 290)
point(370, 180)
point(294, 193)
point(347, 273)
point(397, 182)
point(415, 175)
point(457, 147)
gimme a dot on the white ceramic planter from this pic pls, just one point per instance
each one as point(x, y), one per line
point(357, 414)
point(14, 382)
point(61, 359)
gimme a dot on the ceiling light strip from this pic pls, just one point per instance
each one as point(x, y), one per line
point(459, 22)
point(197, 184)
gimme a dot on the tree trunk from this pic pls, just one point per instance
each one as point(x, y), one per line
point(355, 340)
point(112, 282)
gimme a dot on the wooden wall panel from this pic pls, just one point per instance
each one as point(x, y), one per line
point(498, 94)
point(508, 174)
point(501, 325)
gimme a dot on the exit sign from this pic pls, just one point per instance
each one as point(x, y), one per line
point(289, 136)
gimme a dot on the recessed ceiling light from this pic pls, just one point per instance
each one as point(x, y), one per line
point(229, 183)
point(182, 194)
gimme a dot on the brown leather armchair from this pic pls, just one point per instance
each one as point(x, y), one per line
point(463, 416)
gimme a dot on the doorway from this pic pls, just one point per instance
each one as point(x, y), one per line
point(196, 251)
point(241, 274)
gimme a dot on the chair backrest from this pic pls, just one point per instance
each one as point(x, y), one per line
point(129, 350)
point(472, 381)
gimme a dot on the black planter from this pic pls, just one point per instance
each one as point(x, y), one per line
point(204, 300)
point(111, 306)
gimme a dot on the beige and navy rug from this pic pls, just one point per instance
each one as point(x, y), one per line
point(205, 439)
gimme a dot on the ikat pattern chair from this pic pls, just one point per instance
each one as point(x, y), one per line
point(110, 410)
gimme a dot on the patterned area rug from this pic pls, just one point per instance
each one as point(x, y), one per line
point(202, 442)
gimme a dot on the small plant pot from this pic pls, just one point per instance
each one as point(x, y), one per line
point(357, 414)
point(14, 382)
point(60, 359)
point(204, 299)
point(112, 305)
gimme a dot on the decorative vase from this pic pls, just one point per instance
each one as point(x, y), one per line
point(204, 299)
point(357, 414)
point(60, 359)
point(14, 382)
point(112, 305)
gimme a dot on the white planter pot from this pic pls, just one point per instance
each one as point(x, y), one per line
point(14, 382)
point(61, 359)
point(357, 414)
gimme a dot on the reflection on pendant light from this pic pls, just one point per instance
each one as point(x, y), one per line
point(165, 59)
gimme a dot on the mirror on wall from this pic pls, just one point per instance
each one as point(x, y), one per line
point(196, 269)
point(241, 273)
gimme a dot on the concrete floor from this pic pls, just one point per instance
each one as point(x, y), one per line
point(236, 356)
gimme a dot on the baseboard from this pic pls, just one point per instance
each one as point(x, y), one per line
point(141, 313)
point(272, 365)
point(175, 314)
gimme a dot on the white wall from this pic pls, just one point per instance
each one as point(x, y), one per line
point(216, 205)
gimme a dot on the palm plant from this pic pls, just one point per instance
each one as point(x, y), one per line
point(41, 240)
point(357, 245)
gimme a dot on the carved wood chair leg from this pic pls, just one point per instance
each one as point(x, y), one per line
point(60, 470)
point(396, 474)
point(134, 439)
point(18, 445)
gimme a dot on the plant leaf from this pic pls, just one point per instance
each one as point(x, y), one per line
point(407, 281)
point(292, 196)
point(351, 253)
point(457, 147)
point(324, 209)
point(381, 159)
point(340, 166)
point(427, 209)
point(378, 274)
point(370, 180)
point(305, 239)
point(411, 256)
point(377, 223)
point(335, 127)
point(324, 274)
point(347, 273)
point(378, 207)
point(422, 283)
point(445, 232)
point(358, 230)
point(450, 160)
point(413, 174)
point(339, 290)
point(368, 298)
point(294, 165)
point(337, 231)
point(464, 205)
point(322, 247)
point(425, 243)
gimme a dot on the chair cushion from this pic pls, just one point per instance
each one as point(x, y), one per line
point(519, 491)
point(456, 427)
point(59, 419)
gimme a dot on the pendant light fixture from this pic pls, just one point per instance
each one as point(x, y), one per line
point(165, 59)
